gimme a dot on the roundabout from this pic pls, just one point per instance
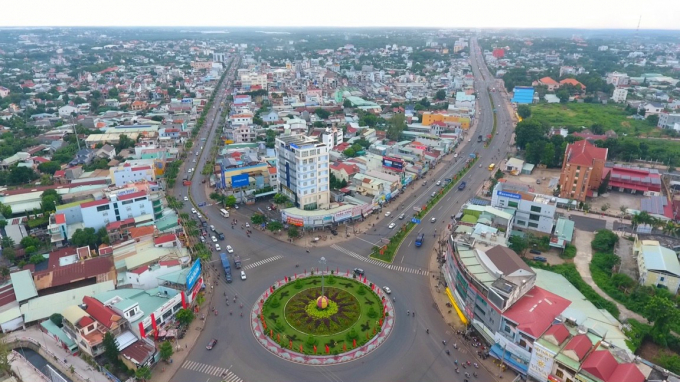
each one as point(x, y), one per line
point(322, 319)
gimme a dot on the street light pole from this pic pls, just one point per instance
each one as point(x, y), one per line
point(322, 261)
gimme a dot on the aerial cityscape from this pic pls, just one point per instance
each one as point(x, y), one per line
point(187, 202)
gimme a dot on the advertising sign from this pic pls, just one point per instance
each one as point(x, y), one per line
point(394, 163)
point(513, 348)
point(342, 215)
point(239, 181)
point(509, 195)
point(295, 221)
point(541, 363)
point(199, 284)
point(194, 274)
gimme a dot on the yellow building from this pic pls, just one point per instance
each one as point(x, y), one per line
point(658, 266)
point(430, 118)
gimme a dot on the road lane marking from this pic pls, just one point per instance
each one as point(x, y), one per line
point(262, 262)
point(217, 371)
point(399, 268)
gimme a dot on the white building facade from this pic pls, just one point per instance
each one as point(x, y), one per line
point(533, 212)
point(620, 95)
point(303, 171)
point(97, 214)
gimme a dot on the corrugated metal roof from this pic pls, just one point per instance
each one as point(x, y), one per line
point(661, 258)
point(43, 307)
point(24, 287)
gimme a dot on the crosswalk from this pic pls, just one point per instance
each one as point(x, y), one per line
point(393, 267)
point(217, 371)
point(262, 262)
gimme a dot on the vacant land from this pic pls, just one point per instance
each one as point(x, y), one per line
point(612, 117)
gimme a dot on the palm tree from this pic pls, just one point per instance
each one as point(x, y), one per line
point(623, 210)
point(174, 203)
point(184, 216)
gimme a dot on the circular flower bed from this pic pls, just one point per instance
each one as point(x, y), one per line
point(299, 318)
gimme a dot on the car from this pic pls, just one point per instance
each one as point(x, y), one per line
point(540, 258)
point(202, 239)
point(217, 247)
point(194, 160)
point(402, 216)
point(212, 228)
point(198, 215)
point(214, 239)
point(388, 213)
point(358, 271)
point(433, 220)
point(387, 290)
point(247, 225)
point(230, 249)
point(535, 251)
point(269, 208)
point(193, 211)
point(190, 170)
point(334, 232)
point(538, 181)
point(236, 206)
point(392, 225)
point(434, 193)
point(439, 183)
point(211, 344)
point(243, 275)
point(469, 139)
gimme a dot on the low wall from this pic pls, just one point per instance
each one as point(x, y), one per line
point(52, 359)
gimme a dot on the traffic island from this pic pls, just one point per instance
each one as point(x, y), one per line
point(322, 318)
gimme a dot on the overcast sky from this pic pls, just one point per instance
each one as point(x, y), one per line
point(620, 14)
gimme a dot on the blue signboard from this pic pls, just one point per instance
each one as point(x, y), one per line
point(193, 275)
point(392, 163)
point(414, 220)
point(509, 195)
point(239, 181)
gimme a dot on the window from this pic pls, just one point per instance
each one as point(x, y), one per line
point(521, 222)
point(513, 204)
point(536, 209)
point(522, 343)
point(534, 217)
point(103, 208)
point(533, 225)
point(559, 373)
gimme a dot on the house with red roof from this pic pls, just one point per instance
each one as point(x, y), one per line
point(573, 82)
point(524, 323)
point(344, 171)
point(602, 366)
point(582, 170)
point(551, 84)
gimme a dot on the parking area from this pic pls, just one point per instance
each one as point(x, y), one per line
point(613, 201)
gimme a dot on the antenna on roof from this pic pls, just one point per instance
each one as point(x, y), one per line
point(636, 41)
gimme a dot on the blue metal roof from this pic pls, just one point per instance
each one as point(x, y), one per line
point(523, 94)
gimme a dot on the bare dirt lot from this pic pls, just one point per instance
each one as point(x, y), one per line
point(614, 200)
point(544, 175)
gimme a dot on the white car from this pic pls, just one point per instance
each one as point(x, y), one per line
point(469, 139)
point(193, 211)
point(212, 228)
point(194, 160)
point(392, 225)
point(439, 183)
point(186, 198)
point(387, 290)
point(214, 239)
point(230, 249)
point(217, 247)
point(433, 220)
point(247, 225)
point(202, 239)
point(388, 213)
point(243, 275)
point(190, 170)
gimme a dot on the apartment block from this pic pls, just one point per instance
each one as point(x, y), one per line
point(582, 170)
point(303, 171)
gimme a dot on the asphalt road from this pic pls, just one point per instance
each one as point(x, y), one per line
point(409, 354)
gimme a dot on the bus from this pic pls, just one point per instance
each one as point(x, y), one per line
point(420, 239)
point(492, 166)
point(224, 213)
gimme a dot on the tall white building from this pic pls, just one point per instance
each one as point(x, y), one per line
point(332, 137)
point(617, 79)
point(116, 207)
point(532, 211)
point(252, 79)
point(620, 95)
point(303, 171)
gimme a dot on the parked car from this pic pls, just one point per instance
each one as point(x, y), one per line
point(186, 198)
point(402, 216)
point(211, 344)
point(387, 290)
point(358, 271)
point(193, 211)
point(439, 183)
point(540, 258)
point(230, 249)
point(243, 275)
point(217, 247)
point(214, 239)
point(388, 213)
point(535, 251)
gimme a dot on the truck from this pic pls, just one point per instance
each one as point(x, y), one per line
point(226, 266)
point(461, 186)
point(186, 182)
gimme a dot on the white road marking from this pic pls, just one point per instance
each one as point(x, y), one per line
point(262, 262)
point(217, 371)
point(399, 268)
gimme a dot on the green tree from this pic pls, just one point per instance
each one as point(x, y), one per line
point(30, 241)
point(349, 152)
point(548, 155)
point(524, 111)
point(662, 312)
point(185, 316)
point(563, 95)
point(35, 258)
point(165, 350)
point(143, 373)
point(258, 219)
point(293, 232)
point(113, 93)
point(84, 236)
point(440, 95)
point(274, 226)
point(604, 241)
point(49, 167)
point(519, 244)
point(124, 142)
point(652, 120)
point(230, 201)
point(57, 319)
point(5, 351)
point(21, 175)
point(110, 348)
point(346, 103)
point(529, 131)
point(321, 113)
point(397, 125)
point(280, 199)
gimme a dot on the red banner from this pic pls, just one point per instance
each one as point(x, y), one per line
point(141, 330)
point(184, 300)
point(153, 324)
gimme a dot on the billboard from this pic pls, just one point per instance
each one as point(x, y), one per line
point(239, 181)
point(394, 163)
point(509, 195)
point(194, 274)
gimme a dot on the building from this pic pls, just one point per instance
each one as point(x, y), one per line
point(248, 80)
point(668, 120)
point(303, 171)
point(618, 79)
point(98, 213)
point(332, 137)
point(646, 181)
point(462, 121)
point(657, 266)
point(532, 211)
point(125, 174)
point(523, 94)
point(498, 53)
point(620, 95)
point(548, 82)
point(653, 108)
point(582, 170)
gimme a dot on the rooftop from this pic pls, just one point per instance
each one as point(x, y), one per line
point(658, 258)
point(535, 311)
point(24, 287)
point(584, 153)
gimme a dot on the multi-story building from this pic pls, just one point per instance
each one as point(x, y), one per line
point(668, 120)
point(248, 80)
point(98, 213)
point(303, 171)
point(582, 170)
point(620, 95)
point(125, 174)
point(532, 211)
point(658, 266)
point(617, 79)
point(332, 137)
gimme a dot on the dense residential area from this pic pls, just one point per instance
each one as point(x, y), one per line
point(151, 182)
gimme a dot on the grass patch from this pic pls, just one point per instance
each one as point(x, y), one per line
point(290, 314)
point(610, 116)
